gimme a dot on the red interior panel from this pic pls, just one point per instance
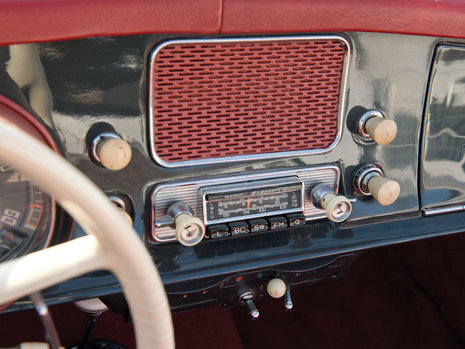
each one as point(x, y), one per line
point(32, 20)
point(423, 17)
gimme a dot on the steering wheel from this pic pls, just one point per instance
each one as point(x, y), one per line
point(111, 244)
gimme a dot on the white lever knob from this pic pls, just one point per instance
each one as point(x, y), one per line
point(381, 130)
point(276, 288)
point(384, 190)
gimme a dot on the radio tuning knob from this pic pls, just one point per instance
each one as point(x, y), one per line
point(189, 229)
point(337, 207)
point(370, 180)
point(374, 126)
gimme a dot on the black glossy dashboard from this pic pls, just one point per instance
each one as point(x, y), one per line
point(103, 82)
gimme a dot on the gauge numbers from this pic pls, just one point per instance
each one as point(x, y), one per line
point(26, 215)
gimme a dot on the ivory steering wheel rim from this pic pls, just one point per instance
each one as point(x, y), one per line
point(111, 244)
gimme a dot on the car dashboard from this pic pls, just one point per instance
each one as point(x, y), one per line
point(250, 199)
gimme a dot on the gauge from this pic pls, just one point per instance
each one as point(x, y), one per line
point(254, 199)
point(26, 215)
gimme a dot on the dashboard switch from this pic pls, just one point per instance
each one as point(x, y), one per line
point(337, 207)
point(374, 126)
point(277, 223)
point(239, 228)
point(217, 231)
point(288, 304)
point(296, 219)
point(276, 288)
point(247, 298)
point(369, 180)
point(258, 225)
point(111, 151)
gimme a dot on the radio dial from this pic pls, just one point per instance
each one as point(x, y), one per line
point(189, 229)
point(337, 207)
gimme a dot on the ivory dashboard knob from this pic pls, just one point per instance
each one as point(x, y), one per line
point(381, 130)
point(337, 207)
point(126, 216)
point(113, 153)
point(276, 288)
point(190, 230)
point(384, 190)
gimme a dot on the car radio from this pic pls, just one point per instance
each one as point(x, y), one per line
point(236, 205)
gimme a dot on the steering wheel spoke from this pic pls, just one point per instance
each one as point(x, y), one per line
point(33, 272)
point(113, 245)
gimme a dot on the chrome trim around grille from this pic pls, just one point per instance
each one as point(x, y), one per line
point(263, 156)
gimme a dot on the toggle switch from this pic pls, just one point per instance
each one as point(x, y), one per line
point(288, 304)
point(247, 298)
point(369, 180)
point(276, 288)
point(372, 125)
point(337, 207)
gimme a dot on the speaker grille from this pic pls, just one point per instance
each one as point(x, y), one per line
point(217, 99)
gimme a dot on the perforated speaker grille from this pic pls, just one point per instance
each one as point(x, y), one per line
point(223, 99)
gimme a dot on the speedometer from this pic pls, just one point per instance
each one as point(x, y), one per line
point(26, 215)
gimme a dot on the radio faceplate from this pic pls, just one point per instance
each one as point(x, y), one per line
point(194, 193)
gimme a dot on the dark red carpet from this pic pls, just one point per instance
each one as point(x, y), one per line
point(408, 296)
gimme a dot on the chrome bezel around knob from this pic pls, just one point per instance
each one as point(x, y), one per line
point(363, 134)
point(363, 175)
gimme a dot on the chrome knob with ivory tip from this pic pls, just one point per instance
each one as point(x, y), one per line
point(369, 180)
point(374, 126)
point(111, 151)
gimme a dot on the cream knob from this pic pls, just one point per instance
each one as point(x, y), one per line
point(276, 288)
point(190, 230)
point(113, 153)
point(337, 207)
point(381, 130)
point(126, 216)
point(384, 190)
